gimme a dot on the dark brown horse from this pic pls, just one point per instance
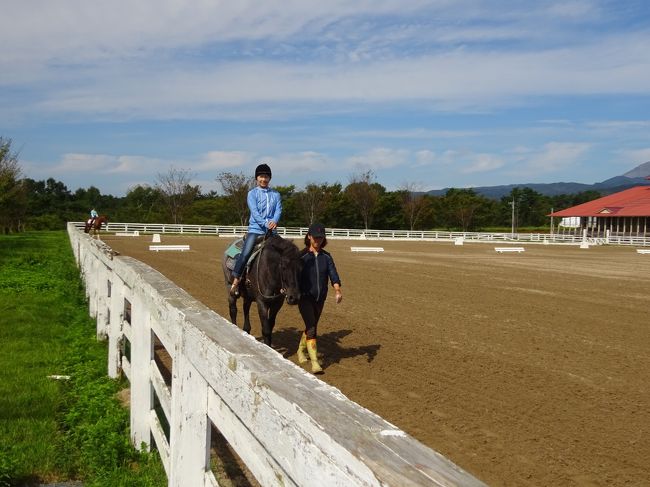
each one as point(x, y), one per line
point(271, 279)
point(93, 226)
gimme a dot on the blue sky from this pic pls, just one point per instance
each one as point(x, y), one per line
point(428, 93)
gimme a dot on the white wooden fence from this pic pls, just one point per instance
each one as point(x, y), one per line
point(351, 234)
point(290, 428)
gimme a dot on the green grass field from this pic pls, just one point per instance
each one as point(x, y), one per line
point(51, 429)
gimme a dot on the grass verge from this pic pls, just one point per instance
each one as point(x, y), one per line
point(53, 430)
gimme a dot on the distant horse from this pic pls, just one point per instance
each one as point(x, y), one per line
point(272, 277)
point(94, 226)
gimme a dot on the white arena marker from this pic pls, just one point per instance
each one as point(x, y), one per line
point(501, 250)
point(643, 251)
point(367, 249)
point(158, 248)
point(156, 238)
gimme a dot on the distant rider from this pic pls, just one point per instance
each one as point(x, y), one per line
point(93, 216)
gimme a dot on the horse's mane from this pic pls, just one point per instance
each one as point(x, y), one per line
point(282, 246)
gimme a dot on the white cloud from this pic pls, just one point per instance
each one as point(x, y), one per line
point(424, 158)
point(482, 163)
point(298, 162)
point(635, 157)
point(75, 164)
point(222, 160)
point(379, 158)
point(554, 156)
point(71, 163)
point(166, 60)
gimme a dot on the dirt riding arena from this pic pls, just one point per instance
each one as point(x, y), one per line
point(524, 369)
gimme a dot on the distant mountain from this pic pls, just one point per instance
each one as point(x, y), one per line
point(635, 177)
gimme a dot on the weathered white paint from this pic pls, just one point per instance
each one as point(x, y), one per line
point(290, 428)
point(501, 250)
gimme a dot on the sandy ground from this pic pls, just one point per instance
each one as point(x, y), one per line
point(524, 369)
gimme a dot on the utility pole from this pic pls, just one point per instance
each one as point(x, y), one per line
point(551, 222)
point(512, 203)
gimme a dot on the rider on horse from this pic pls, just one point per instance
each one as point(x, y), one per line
point(265, 208)
point(93, 217)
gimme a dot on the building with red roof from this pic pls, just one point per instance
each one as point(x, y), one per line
point(626, 213)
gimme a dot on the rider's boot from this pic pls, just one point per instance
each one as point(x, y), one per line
point(313, 355)
point(302, 348)
point(234, 288)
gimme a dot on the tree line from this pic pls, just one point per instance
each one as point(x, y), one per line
point(361, 203)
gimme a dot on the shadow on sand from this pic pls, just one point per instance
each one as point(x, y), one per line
point(330, 350)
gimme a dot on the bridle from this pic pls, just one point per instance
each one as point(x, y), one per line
point(283, 291)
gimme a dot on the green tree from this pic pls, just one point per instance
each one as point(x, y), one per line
point(210, 209)
point(177, 192)
point(530, 208)
point(235, 187)
point(13, 197)
point(313, 201)
point(464, 209)
point(142, 203)
point(363, 194)
point(413, 204)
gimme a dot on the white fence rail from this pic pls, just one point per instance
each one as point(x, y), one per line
point(333, 233)
point(290, 428)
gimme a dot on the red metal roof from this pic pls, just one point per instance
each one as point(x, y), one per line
point(631, 202)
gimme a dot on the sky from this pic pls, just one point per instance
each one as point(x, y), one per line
point(426, 94)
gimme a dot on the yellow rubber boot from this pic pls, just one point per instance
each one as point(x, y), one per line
point(302, 348)
point(313, 355)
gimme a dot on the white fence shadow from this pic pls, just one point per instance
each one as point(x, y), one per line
point(288, 427)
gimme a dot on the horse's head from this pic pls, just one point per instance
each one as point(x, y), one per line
point(290, 267)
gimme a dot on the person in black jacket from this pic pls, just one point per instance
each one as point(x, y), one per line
point(318, 269)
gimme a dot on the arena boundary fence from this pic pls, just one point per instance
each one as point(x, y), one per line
point(358, 234)
point(288, 427)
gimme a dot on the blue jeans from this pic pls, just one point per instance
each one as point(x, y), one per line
point(249, 243)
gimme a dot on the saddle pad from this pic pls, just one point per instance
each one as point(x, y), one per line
point(235, 248)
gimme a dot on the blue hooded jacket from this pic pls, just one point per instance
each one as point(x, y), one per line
point(265, 205)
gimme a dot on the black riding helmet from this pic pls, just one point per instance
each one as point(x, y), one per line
point(262, 169)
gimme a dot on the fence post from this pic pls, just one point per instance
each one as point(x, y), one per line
point(189, 427)
point(116, 307)
point(91, 285)
point(102, 301)
point(141, 356)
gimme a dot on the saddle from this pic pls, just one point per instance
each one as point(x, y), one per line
point(233, 251)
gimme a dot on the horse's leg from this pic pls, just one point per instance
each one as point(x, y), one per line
point(269, 323)
point(247, 309)
point(232, 305)
point(264, 311)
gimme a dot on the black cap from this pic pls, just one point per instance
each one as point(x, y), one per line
point(316, 230)
point(262, 169)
